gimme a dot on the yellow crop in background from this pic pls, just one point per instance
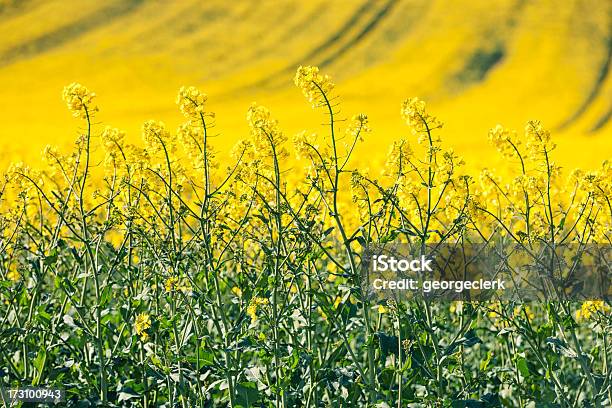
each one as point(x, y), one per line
point(477, 63)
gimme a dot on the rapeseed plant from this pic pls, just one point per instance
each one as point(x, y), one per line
point(174, 280)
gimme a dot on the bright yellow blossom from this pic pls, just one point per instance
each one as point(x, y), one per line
point(315, 86)
point(538, 139)
point(590, 308)
point(79, 100)
point(505, 141)
point(414, 113)
point(171, 283)
point(358, 126)
point(142, 323)
point(13, 274)
point(156, 137)
point(112, 141)
point(254, 305)
point(191, 102)
point(267, 136)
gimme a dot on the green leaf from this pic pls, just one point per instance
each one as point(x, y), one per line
point(560, 347)
point(389, 238)
point(42, 315)
point(39, 361)
point(361, 240)
point(388, 344)
point(486, 401)
point(484, 364)
point(126, 394)
point(521, 364)
point(328, 231)
point(470, 339)
point(246, 394)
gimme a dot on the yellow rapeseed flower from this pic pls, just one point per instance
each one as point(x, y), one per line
point(265, 131)
point(522, 310)
point(79, 100)
point(504, 140)
point(156, 137)
point(237, 291)
point(171, 283)
point(13, 274)
point(304, 143)
point(337, 301)
point(414, 113)
point(315, 86)
point(292, 287)
point(590, 308)
point(397, 159)
point(112, 141)
point(456, 307)
point(142, 323)
point(190, 101)
point(358, 126)
point(538, 139)
point(253, 306)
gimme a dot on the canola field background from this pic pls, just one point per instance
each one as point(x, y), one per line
point(477, 64)
point(143, 265)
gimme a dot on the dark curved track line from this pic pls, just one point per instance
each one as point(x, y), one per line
point(597, 86)
point(304, 22)
point(601, 122)
point(479, 64)
point(8, 10)
point(68, 32)
point(341, 32)
point(382, 12)
point(337, 36)
point(258, 49)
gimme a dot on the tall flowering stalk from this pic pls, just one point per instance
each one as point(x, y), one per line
point(80, 102)
point(317, 89)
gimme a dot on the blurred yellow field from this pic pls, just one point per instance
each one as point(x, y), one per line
point(476, 64)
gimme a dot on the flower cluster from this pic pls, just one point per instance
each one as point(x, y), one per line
point(112, 141)
point(358, 125)
point(79, 100)
point(398, 158)
point(538, 139)
point(304, 143)
point(142, 324)
point(414, 113)
point(266, 134)
point(315, 86)
point(504, 140)
point(254, 304)
point(22, 177)
point(157, 137)
point(13, 274)
point(173, 284)
point(257, 265)
point(591, 308)
point(191, 101)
